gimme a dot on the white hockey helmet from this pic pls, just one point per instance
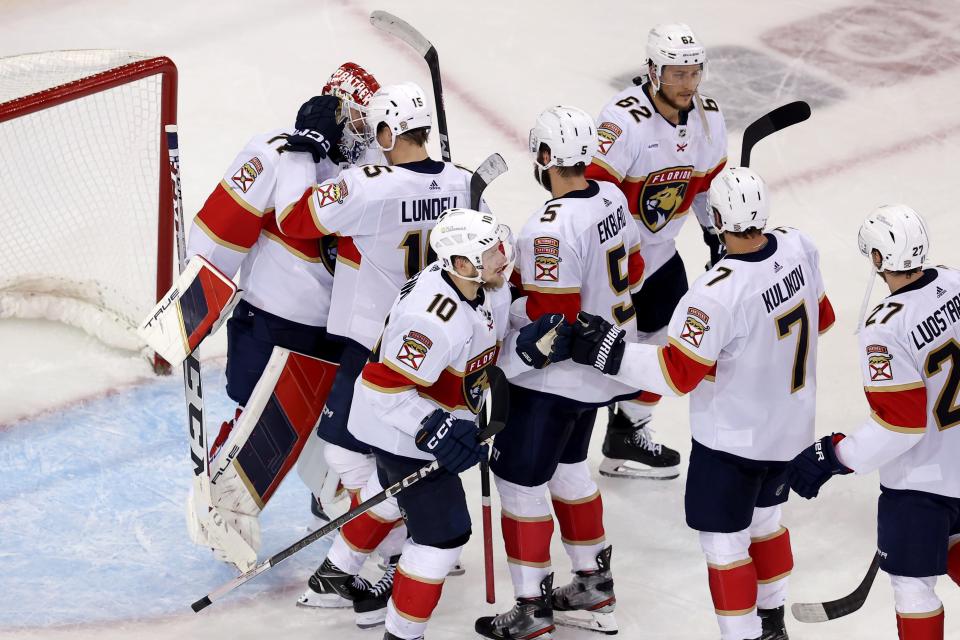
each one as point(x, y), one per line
point(402, 107)
point(674, 44)
point(739, 196)
point(469, 233)
point(899, 234)
point(568, 132)
point(354, 86)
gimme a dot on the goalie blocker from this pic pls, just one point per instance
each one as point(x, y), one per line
point(201, 299)
point(265, 442)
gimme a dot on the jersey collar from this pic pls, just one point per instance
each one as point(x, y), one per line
point(427, 165)
point(928, 276)
point(476, 302)
point(759, 255)
point(592, 189)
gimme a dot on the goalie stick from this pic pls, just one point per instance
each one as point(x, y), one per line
point(400, 28)
point(499, 407)
point(780, 118)
point(210, 518)
point(823, 611)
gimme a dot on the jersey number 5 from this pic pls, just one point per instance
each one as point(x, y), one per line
point(785, 324)
point(619, 282)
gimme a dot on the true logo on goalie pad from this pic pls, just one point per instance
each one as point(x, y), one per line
point(414, 349)
point(331, 193)
point(878, 360)
point(247, 175)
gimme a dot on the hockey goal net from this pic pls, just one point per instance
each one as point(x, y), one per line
point(85, 195)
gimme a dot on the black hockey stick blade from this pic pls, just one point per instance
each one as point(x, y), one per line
point(780, 118)
point(823, 611)
point(488, 170)
point(499, 403)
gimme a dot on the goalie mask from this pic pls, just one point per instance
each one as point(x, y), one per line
point(469, 234)
point(354, 87)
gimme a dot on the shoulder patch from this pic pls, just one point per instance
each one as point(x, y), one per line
point(879, 362)
point(546, 268)
point(247, 174)
point(414, 349)
point(607, 134)
point(694, 327)
point(545, 245)
point(330, 193)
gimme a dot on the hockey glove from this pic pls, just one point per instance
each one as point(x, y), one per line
point(597, 343)
point(816, 464)
point(319, 126)
point(453, 441)
point(544, 341)
point(712, 239)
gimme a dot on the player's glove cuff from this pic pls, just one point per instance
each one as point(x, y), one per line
point(451, 440)
point(816, 464)
point(597, 343)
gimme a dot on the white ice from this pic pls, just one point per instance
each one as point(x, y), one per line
point(93, 467)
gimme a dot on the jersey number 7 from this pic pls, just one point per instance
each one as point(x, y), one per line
point(785, 324)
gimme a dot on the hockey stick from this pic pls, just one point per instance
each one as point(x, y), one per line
point(400, 28)
point(488, 170)
point(780, 118)
point(499, 406)
point(210, 518)
point(823, 611)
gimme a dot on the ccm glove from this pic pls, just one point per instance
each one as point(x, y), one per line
point(453, 441)
point(544, 341)
point(318, 126)
point(597, 343)
point(816, 464)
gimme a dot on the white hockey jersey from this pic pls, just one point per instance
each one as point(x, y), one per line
point(661, 168)
point(579, 252)
point(743, 341)
point(237, 230)
point(384, 215)
point(435, 347)
point(910, 359)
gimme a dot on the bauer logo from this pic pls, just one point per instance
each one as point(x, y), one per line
point(248, 173)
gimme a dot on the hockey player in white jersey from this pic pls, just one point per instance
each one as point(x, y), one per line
point(418, 397)
point(383, 215)
point(578, 251)
point(662, 143)
point(286, 285)
point(910, 361)
point(743, 343)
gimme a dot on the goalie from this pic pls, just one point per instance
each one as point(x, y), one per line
point(280, 361)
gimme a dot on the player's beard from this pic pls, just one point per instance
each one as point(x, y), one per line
point(494, 284)
point(673, 104)
point(542, 177)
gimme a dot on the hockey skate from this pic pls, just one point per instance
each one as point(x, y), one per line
point(389, 636)
point(530, 618)
point(331, 588)
point(630, 452)
point(370, 604)
point(774, 627)
point(588, 602)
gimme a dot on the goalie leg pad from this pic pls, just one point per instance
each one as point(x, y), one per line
point(270, 433)
point(200, 300)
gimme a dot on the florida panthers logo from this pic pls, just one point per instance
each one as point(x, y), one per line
point(475, 379)
point(328, 252)
point(662, 196)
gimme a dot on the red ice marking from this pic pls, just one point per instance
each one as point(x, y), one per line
point(450, 85)
point(867, 156)
point(877, 44)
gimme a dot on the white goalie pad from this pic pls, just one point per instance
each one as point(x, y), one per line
point(269, 435)
point(201, 299)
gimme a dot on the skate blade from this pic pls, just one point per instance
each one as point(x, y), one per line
point(310, 599)
point(543, 634)
point(371, 619)
point(613, 468)
point(591, 621)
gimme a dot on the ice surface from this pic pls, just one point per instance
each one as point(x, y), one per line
point(92, 540)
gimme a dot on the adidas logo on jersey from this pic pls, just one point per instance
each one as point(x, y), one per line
point(434, 186)
point(941, 292)
point(776, 267)
point(606, 202)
